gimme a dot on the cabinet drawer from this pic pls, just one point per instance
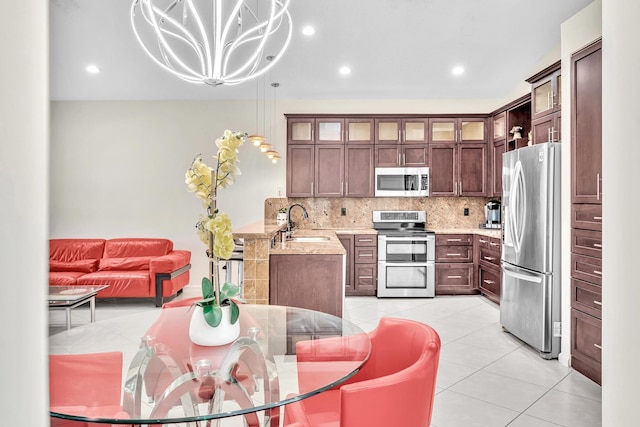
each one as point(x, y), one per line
point(454, 279)
point(586, 297)
point(490, 256)
point(365, 254)
point(586, 268)
point(454, 239)
point(365, 278)
point(366, 240)
point(489, 283)
point(586, 242)
point(588, 217)
point(448, 253)
point(586, 335)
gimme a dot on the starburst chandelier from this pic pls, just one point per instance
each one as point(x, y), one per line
point(216, 42)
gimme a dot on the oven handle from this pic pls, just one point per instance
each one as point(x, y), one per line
point(407, 239)
point(408, 264)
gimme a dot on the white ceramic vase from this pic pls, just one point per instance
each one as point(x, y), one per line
point(202, 333)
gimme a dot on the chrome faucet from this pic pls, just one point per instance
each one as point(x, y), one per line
point(289, 230)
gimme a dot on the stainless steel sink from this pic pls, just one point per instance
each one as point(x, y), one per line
point(309, 239)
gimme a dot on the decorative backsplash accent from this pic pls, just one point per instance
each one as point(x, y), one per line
point(442, 212)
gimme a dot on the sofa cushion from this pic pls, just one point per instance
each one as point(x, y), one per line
point(75, 249)
point(64, 278)
point(81, 265)
point(125, 264)
point(122, 284)
point(136, 247)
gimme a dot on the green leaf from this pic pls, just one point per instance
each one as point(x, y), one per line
point(228, 291)
point(235, 312)
point(207, 288)
point(212, 314)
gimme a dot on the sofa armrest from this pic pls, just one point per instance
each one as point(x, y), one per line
point(167, 267)
point(170, 262)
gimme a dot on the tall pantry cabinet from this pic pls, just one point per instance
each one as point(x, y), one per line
point(586, 211)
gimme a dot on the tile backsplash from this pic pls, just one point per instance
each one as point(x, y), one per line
point(442, 212)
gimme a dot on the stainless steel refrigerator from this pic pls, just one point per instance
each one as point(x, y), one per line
point(530, 285)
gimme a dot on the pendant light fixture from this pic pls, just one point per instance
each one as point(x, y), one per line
point(215, 42)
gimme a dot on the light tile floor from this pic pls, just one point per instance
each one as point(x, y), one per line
point(486, 378)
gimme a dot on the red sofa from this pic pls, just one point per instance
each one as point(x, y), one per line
point(132, 267)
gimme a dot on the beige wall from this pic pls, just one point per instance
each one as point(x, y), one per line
point(620, 237)
point(23, 212)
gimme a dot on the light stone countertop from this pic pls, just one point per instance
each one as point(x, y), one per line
point(258, 230)
point(333, 246)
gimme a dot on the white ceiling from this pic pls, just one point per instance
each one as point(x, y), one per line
point(396, 49)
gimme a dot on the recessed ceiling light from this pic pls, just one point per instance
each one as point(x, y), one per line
point(92, 69)
point(344, 70)
point(458, 70)
point(308, 30)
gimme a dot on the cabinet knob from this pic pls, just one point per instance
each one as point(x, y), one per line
point(599, 273)
point(490, 258)
point(599, 347)
point(598, 303)
point(454, 254)
point(488, 282)
point(597, 245)
point(454, 277)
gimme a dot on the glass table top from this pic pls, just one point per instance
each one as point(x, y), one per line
point(59, 295)
point(169, 379)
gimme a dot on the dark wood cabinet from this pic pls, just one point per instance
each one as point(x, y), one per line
point(488, 250)
point(300, 170)
point(359, 131)
point(516, 113)
point(347, 243)
point(586, 211)
point(454, 264)
point(458, 169)
point(358, 171)
point(546, 104)
point(396, 130)
point(457, 130)
point(586, 126)
point(329, 130)
point(546, 91)
point(409, 155)
point(300, 130)
point(361, 269)
point(307, 281)
point(329, 170)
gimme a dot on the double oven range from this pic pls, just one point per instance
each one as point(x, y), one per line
point(406, 254)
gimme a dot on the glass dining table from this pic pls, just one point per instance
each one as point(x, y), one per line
point(172, 381)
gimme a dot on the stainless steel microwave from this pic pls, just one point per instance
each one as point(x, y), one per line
point(402, 182)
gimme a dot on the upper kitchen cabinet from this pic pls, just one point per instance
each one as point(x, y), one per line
point(546, 91)
point(329, 131)
point(401, 131)
point(546, 106)
point(401, 142)
point(359, 131)
point(300, 130)
point(300, 170)
point(309, 130)
point(458, 169)
point(586, 135)
point(457, 130)
point(499, 127)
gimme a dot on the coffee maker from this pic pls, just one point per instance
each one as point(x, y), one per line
point(492, 214)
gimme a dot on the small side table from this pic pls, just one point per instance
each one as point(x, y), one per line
point(69, 297)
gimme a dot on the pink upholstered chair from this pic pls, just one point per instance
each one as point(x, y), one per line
point(87, 384)
point(395, 387)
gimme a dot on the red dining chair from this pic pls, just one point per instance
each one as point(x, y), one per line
point(88, 385)
point(395, 387)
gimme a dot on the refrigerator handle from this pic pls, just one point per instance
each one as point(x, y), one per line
point(521, 276)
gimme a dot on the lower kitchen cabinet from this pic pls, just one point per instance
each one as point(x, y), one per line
point(488, 250)
point(454, 279)
point(362, 264)
point(586, 345)
point(307, 281)
point(454, 264)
